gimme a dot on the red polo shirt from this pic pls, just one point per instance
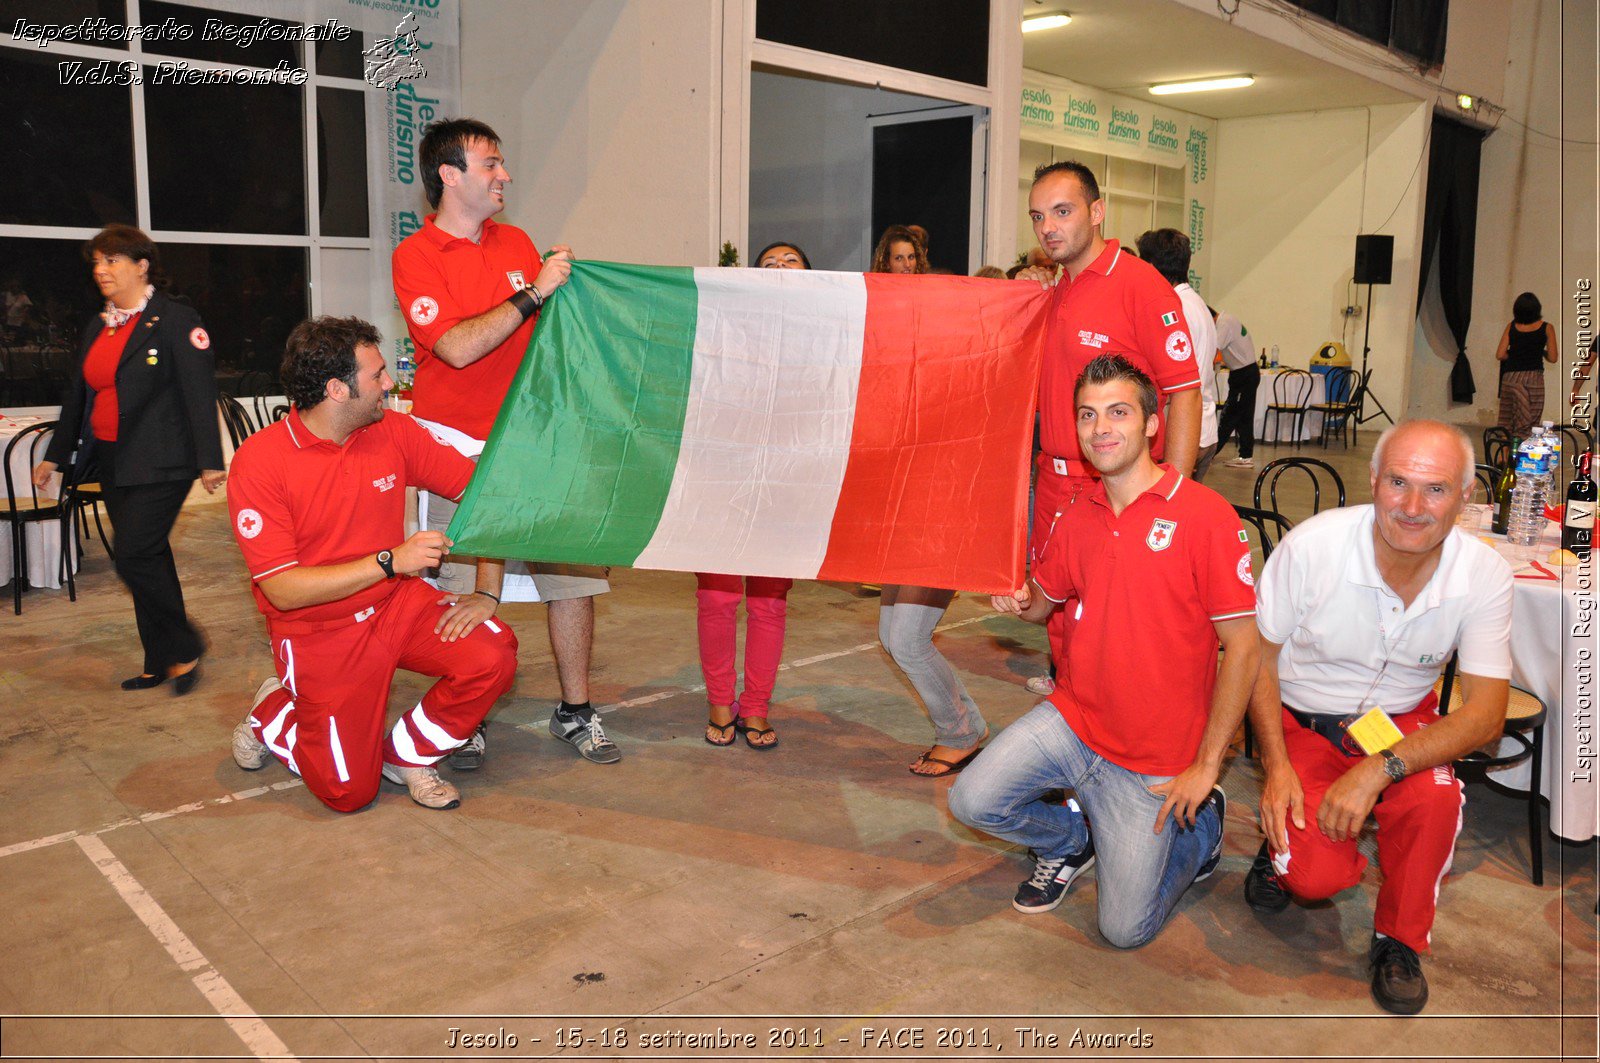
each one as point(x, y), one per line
point(1117, 304)
point(1148, 586)
point(299, 499)
point(441, 280)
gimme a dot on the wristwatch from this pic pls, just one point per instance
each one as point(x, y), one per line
point(1393, 766)
point(386, 562)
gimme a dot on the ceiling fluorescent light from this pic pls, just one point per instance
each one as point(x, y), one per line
point(1237, 81)
point(1035, 23)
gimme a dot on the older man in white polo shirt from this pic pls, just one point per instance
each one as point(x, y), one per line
point(1361, 608)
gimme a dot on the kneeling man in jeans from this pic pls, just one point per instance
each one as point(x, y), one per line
point(1360, 608)
point(1153, 571)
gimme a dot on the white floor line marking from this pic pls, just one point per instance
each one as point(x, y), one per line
point(148, 817)
point(256, 1034)
point(258, 791)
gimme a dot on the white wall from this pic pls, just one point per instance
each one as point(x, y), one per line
point(1536, 209)
point(811, 165)
point(1293, 191)
point(609, 114)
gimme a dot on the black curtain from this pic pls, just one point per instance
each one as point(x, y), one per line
point(1450, 228)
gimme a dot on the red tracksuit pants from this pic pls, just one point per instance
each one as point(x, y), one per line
point(326, 723)
point(1053, 492)
point(766, 605)
point(1418, 820)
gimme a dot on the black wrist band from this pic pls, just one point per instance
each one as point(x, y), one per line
point(527, 302)
point(486, 594)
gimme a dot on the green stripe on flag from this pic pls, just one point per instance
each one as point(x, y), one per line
point(587, 440)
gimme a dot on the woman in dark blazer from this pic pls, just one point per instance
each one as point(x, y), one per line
point(141, 410)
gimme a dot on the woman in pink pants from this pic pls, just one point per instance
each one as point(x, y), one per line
point(766, 604)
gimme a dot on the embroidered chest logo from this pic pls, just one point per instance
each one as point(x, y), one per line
point(1160, 535)
point(248, 523)
point(1431, 658)
point(517, 281)
point(384, 483)
point(1093, 339)
point(424, 309)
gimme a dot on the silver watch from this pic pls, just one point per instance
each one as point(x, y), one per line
point(1393, 766)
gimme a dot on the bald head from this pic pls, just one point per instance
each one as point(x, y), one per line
point(1435, 443)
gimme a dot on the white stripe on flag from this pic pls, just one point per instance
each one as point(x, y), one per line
point(766, 437)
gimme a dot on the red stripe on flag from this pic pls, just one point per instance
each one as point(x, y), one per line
point(935, 493)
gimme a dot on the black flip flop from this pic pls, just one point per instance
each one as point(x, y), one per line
point(748, 731)
point(732, 724)
point(951, 767)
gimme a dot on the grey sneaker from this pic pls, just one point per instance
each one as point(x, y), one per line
point(1041, 685)
point(469, 755)
point(1241, 463)
point(586, 736)
point(249, 752)
point(427, 789)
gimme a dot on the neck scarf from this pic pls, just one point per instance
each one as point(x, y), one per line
point(115, 317)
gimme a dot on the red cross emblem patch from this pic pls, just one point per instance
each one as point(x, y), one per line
point(1160, 535)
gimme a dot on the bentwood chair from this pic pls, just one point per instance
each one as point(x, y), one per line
point(1327, 489)
point(1268, 530)
point(1291, 397)
point(24, 505)
point(1497, 444)
point(1522, 739)
point(1342, 406)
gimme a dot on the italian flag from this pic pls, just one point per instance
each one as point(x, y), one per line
point(815, 425)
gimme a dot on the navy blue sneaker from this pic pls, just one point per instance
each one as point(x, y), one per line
point(1048, 886)
point(1220, 800)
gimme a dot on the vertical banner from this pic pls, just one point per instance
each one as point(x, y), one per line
point(412, 65)
point(1067, 114)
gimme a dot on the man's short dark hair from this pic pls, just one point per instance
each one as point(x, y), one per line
point(1085, 176)
point(319, 350)
point(1110, 368)
point(446, 142)
point(1168, 251)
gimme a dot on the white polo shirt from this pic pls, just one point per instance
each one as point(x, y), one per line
point(1203, 330)
point(1348, 641)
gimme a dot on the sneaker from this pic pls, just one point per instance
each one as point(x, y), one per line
point(427, 789)
point(1045, 890)
point(249, 752)
point(1220, 801)
point(586, 736)
point(469, 755)
point(1241, 463)
point(1263, 890)
point(1398, 984)
point(1041, 685)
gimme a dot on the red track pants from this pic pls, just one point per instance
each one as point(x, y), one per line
point(1418, 820)
point(327, 722)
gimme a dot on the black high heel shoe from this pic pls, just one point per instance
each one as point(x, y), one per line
point(143, 681)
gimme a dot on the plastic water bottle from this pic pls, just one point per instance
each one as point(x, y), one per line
point(1274, 356)
point(405, 375)
point(1534, 465)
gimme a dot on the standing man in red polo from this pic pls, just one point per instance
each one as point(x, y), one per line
point(471, 289)
point(1148, 566)
point(318, 506)
point(1107, 302)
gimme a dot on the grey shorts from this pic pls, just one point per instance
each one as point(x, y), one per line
point(554, 582)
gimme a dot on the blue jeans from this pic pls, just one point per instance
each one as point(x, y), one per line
point(1141, 874)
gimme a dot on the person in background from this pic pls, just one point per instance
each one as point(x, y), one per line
point(1527, 344)
point(766, 603)
point(1168, 250)
point(899, 252)
point(994, 273)
point(908, 615)
point(140, 412)
point(1244, 377)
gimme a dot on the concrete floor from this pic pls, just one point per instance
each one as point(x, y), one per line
point(148, 886)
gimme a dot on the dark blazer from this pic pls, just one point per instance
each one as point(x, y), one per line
point(166, 400)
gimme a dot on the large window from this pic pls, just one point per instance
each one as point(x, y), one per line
point(1415, 28)
point(945, 38)
point(249, 190)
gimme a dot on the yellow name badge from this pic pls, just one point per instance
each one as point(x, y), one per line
point(1374, 731)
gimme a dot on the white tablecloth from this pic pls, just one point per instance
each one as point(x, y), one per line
point(41, 538)
point(1553, 650)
